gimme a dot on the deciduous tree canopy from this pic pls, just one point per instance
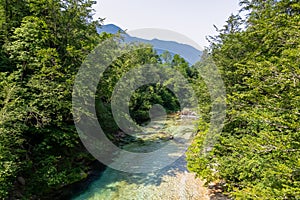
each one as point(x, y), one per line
point(257, 154)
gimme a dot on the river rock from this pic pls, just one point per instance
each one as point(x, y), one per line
point(21, 180)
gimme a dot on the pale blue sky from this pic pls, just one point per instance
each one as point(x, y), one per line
point(192, 18)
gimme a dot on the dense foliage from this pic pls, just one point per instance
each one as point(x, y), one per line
point(42, 45)
point(146, 95)
point(257, 155)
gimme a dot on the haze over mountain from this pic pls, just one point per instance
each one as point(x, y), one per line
point(189, 53)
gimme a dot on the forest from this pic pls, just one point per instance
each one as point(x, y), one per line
point(43, 45)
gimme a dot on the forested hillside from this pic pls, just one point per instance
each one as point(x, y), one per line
point(257, 155)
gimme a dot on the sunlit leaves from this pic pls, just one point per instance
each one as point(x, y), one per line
point(258, 152)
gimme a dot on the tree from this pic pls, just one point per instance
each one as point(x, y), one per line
point(43, 45)
point(12, 115)
point(257, 153)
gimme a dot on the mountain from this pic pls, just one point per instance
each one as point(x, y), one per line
point(110, 28)
point(189, 53)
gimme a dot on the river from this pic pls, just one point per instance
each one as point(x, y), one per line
point(172, 182)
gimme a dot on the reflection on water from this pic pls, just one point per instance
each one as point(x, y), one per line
point(171, 182)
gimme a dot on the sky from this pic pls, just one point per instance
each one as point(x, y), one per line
point(191, 18)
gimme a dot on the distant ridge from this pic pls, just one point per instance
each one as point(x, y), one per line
point(189, 53)
point(109, 28)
